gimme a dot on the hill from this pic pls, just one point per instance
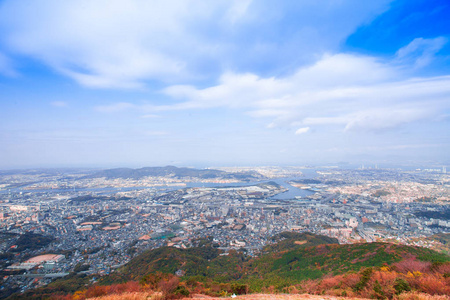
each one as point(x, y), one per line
point(281, 269)
point(174, 172)
point(295, 262)
point(156, 295)
point(292, 258)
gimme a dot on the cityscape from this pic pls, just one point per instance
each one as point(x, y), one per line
point(80, 222)
point(258, 149)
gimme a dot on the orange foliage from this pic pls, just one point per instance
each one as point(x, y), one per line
point(168, 286)
point(331, 282)
point(96, 291)
point(100, 290)
point(351, 280)
point(430, 284)
point(383, 284)
point(309, 286)
point(385, 277)
point(411, 265)
point(130, 286)
point(443, 268)
point(129, 296)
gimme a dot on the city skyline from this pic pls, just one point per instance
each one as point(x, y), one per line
point(142, 83)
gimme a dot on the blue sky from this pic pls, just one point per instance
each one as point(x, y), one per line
point(110, 83)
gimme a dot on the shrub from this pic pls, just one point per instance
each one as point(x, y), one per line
point(442, 268)
point(378, 290)
point(350, 280)
point(96, 291)
point(151, 280)
point(401, 285)
point(412, 265)
point(168, 286)
point(181, 291)
point(130, 286)
point(309, 286)
point(366, 274)
point(332, 282)
point(239, 289)
point(431, 284)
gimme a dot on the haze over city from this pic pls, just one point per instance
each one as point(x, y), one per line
point(141, 83)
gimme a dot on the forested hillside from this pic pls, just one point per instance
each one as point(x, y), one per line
point(295, 262)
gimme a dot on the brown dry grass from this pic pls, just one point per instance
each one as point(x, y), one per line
point(157, 296)
point(281, 297)
point(130, 296)
point(405, 296)
point(421, 296)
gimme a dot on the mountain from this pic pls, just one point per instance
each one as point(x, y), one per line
point(173, 171)
point(293, 257)
point(292, 262)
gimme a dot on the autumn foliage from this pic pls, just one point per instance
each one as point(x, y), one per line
point(407, 280)
point(406, 277)
point(366, 270)
point(98, 290)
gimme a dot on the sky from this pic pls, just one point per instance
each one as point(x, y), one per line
point(133, 83)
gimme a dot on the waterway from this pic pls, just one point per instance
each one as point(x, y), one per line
point(292, 192)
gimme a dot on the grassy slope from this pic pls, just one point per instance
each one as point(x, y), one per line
point(294, 258)
point(205, 260)
point(291, 267)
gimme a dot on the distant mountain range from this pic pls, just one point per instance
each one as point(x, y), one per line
point(174, 172)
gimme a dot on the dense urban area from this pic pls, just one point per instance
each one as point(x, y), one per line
point(55, 222)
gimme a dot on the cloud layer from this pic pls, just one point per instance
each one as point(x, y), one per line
point(250, 81)
point(124, 44)
point(349, 91)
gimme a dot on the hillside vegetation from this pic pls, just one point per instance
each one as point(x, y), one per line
point(294, 263)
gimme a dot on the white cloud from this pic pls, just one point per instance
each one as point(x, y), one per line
point(302, 130)
point(356, 92)
point(125, 43)
point(420, 52)
point(237, 10)
point(98, 43)
point(345, 91)
point(382, 118)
